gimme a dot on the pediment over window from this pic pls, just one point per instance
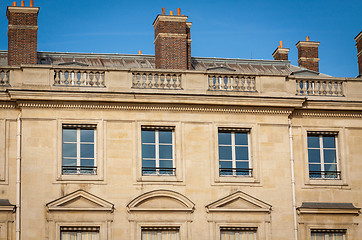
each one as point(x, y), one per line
point(80, 200)
point(238, 202)
point(161, 200)
point(6, 206)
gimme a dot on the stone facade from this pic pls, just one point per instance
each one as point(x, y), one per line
point(272, 113)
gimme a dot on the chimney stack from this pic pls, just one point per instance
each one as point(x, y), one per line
point(22, 34)
point(281, 53)
point(172, 41)
point(358, 40)
point(308, 55)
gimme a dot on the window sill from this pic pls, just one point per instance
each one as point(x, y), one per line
point(236, 179)
point(326, 182)
point(159, 178)
point(80, 177)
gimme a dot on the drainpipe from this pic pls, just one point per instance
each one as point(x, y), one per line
point(293, 179)
point(18, 177)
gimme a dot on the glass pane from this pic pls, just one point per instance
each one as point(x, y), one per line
point(69, 236)
point(69, 135)
point(225, 152)
point(329, 156)
point(69, 162)
point(69, 150)
point(149, 163)
point(166, 164)
point(148, 136)
point(165, 136)
point(224, 138)
point(313, 142)
point(315, 167)
point(330, 167)
point(242, 164)
point(87, 151)
point(166, 167)
point(314, 156)
point(87, 162)
point(328, 142)
point(225, 164)
point(241, 138)
point(87, 135)
point(165, 152)
point(148, 151)
point(242, 153)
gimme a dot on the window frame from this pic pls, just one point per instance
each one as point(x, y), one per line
point(78, 143)
point(79, 232)
point(159, 231)
point(157, 145)
point(328, 231)
point(178, 163)
point(254, 230)
point(98, 153)
point(321, 149)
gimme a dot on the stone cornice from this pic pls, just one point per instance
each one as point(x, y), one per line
point(169, 18)
point(328, 114)
point(308, 59)
point(170, 35)
point(23, 27)
point(22, 9)
point(307, 44)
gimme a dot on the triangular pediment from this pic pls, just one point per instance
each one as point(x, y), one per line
point(238, 202)
point(80, 200)
point(161, 200)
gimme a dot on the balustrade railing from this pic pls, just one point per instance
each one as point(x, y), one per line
point(171, 81)
point(234, 83)
point(320, 88)
point(79, 78)
point(4, 77)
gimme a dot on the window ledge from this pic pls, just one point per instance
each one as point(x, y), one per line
point(80, 177)
point(159, 178)
point(237, 179)
point(326, 182)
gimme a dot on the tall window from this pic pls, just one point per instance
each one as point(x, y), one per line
point(160, 233)
point(79, 233)
point(234, 152)
point(333, 234)
point(322, 156)
point(79, 149)
point(158, 151)
point(231, 233)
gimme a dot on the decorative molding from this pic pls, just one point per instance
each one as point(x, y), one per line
point(7, 106)
point(325, 114)
point(153, 108)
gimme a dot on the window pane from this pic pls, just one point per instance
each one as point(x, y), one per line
point(329, 156)
point(148, 136)
point(165, 136)
point(225, 152)
point(242, 164)
point(328, 142)
point(165, 152)
point(225, 164)
point(330, 167)
point(315, 167)
point(241, 138)
point(69, 162)
point(224, 138)
point(87, 151)
point(165, 164)
point(242, 153)
point(69, 135)
point(148, 151)
point(87, 162)
point(314, 156)
point(313, 142)
point(87, 135)
point(149, 163)
point(69, 150)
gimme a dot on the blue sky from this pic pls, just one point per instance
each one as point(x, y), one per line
point(229, 28)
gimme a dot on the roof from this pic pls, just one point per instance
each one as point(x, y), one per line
point(234, 65)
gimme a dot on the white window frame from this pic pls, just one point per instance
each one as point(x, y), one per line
point(237, 231)
point(233, 146)
point(321, 155)
point(79, 232)
point(79, 128)
point(157, 149)
point(159, 231)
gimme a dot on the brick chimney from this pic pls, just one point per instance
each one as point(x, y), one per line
point(358, 39)
point(172, 41)
point(281, 53)
point(308, 55)
point(22, 34)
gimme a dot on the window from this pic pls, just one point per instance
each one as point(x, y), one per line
point(79, 233)
point(237, 233)
point(79, 149)
point(158, 233)
point(158, 151)
point(322, 155)
point(234, 152)
point(324, 234)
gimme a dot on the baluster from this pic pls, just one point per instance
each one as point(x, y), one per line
point(56, 77)
point(217, 82)
point(134, 82)
point(179, 81)
point(149, 80)
point(324, 86)
point(330, 92)
point(88, 80)
point(174, 81)
point(2, 77)
point(210, 83)
point(156, 81)
point(318, 88)
point(7, 77)
point(242, 84)
point(340, 92)
point(82, 80)
point(168, 81)
point(97, 78)
point(66, 77)
point(253, 84)
point(143, 80)
point(236, 84)
point(248, 80)
point(336, 90)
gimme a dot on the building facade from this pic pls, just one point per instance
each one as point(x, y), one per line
point(114, 146)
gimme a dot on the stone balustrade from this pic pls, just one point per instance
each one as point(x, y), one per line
point(154, 80)
point(79, 78)
point(235, 83)
point(319, 88)
point(4, 77)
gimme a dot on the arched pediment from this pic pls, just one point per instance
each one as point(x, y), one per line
point(80, 200)
point(238, 202)
point(161, 200)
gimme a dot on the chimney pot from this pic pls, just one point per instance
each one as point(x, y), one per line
point(171, 13)
point(14, 4)
point(178, 12)
point(281, 44)
point(22, 3)
point(140, 52)
point(307, 38)
point(163, 11)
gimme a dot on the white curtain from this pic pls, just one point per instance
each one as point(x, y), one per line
point(160, 235)
point(238, 235)
point(327, 236)
point(80, 236)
